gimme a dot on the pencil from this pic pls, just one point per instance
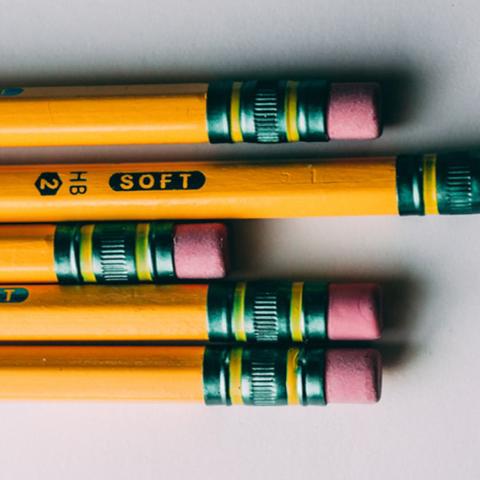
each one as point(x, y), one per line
point(405, 185)
point(260, 311)
point(116, 252)
point(267, 376)
point(219, 112)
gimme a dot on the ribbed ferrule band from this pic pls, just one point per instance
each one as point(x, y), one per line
point(446, 184)
point(117, 252)
point(458, 180)
point(113, 253)
point(266, 114)
point(275, 311)
point(266, 311)
point(458, 188)
point(267, 111)
point(264, 376)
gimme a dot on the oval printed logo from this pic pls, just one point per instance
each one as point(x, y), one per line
point(10, 91)
point(13, 294)
point(138, 181)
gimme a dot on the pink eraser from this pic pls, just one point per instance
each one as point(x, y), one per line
point(353, 111)
point(200, 250)
point(353, 376)
point(354, 311)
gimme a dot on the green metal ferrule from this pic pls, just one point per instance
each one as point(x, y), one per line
point(66, 253)
point(267, 111)
point(274, 311)
point(458, 183)
point(264, 376)
point(446, 184)
point(215, 376)
point(410, 185)
point(116, 252)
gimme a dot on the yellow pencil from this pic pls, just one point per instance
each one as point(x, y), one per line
point(212, 375)
point(405, 185)
point(260, 311)
point(220, 112)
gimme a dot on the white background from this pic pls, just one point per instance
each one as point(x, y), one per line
point(427, 54)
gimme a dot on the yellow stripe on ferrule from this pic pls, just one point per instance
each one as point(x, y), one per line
point(292, 387)
point(296, 312)
point(239, 312)
point(235, 370)
point(291, 101)
point(86, 254)
point(235, 127)
point(430, 184)
point(142, 253)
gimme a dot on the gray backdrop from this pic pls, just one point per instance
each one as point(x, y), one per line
point(426, 53)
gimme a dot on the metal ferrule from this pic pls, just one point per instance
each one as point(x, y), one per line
point(267, 111)
point(447, 184)
point(275, 311)
point(264, 376)
point(117, 252)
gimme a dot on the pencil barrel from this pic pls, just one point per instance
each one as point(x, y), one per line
point(171, 374)
point(103, 115)
point(27, 254)
point(197, 190)
point(148, 312)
